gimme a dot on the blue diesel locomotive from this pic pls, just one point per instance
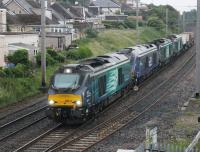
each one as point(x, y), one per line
point(81, 90)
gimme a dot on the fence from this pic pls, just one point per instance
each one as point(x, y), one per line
point(164, 147)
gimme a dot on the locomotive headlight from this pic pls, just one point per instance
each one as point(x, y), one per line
point(78, 103)
point(51, 102)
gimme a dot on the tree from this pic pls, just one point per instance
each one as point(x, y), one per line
point(155, 22)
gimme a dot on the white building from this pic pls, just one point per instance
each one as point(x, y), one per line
point(10, 42)
point(3, 27)
point(3, 50)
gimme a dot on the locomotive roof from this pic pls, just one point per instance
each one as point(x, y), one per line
point(99, 63)
point(162, 41)
point(174, 37)
point(143, 49)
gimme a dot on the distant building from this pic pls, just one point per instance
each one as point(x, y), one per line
point(25, 7)
point(3, 23)
point(104, 7)
point(27, 23)
point(10, 42)
point(132, 4)
point(3, 50)
point(116, 17)
point(58, 41)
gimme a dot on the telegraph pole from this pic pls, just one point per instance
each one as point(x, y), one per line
point(167, 16)
point(137, 21)
point(183, 21)
point(43, 43)
point(198, 51)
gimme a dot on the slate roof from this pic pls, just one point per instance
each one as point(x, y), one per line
point(33, 3)
point(62, 11)
point(105, 4)
point(23, 3)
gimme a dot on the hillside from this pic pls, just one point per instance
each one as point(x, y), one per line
point(111, 40)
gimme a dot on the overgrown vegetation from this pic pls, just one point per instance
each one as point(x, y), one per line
point(21, 80)
point(127, 24)
point(52, 57)
point(159, 13)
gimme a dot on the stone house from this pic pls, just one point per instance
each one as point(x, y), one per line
point(104, 7)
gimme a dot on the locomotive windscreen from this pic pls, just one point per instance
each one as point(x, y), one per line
point(66, 81)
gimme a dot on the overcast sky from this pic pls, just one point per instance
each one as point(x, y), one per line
point(181, 5)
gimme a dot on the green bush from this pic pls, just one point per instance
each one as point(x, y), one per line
point(155, 22)
point(49, 59)
point(91, 33)
point(56, 55)
point(120, 24)
point(2, 73)
point(20, 56)
point(130, 23)
point(81, 53)
point(17, 72)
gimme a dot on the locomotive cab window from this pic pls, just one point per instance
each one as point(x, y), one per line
point(102, 85)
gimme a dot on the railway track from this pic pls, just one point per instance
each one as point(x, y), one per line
point(21, 123)
point(46, 142)
point(100, 132)
point(23, 110)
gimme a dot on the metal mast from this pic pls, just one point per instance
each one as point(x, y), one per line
point(183, 21)
point(166, 21)
point(137, 21)
point(43, 42)
point(198, 51)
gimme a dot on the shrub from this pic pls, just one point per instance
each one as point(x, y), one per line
point(56, 55)
point(81, 53)
point(20, 56)
point(49, 60)
point(130, 23)
point(120, 24)
point(19, 71)
point(91, 33)
point(155, 22)
point(2, 73)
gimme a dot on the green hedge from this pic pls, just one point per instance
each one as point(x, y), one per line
point(80, 53)
point(120, 24)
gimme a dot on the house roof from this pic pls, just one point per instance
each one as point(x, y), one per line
point(23, 45)
point(64, 13)
point(105, 4)
point(23, 3)
point(33, 3)
point(26, 19)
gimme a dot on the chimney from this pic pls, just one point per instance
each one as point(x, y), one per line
point(3, 20)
